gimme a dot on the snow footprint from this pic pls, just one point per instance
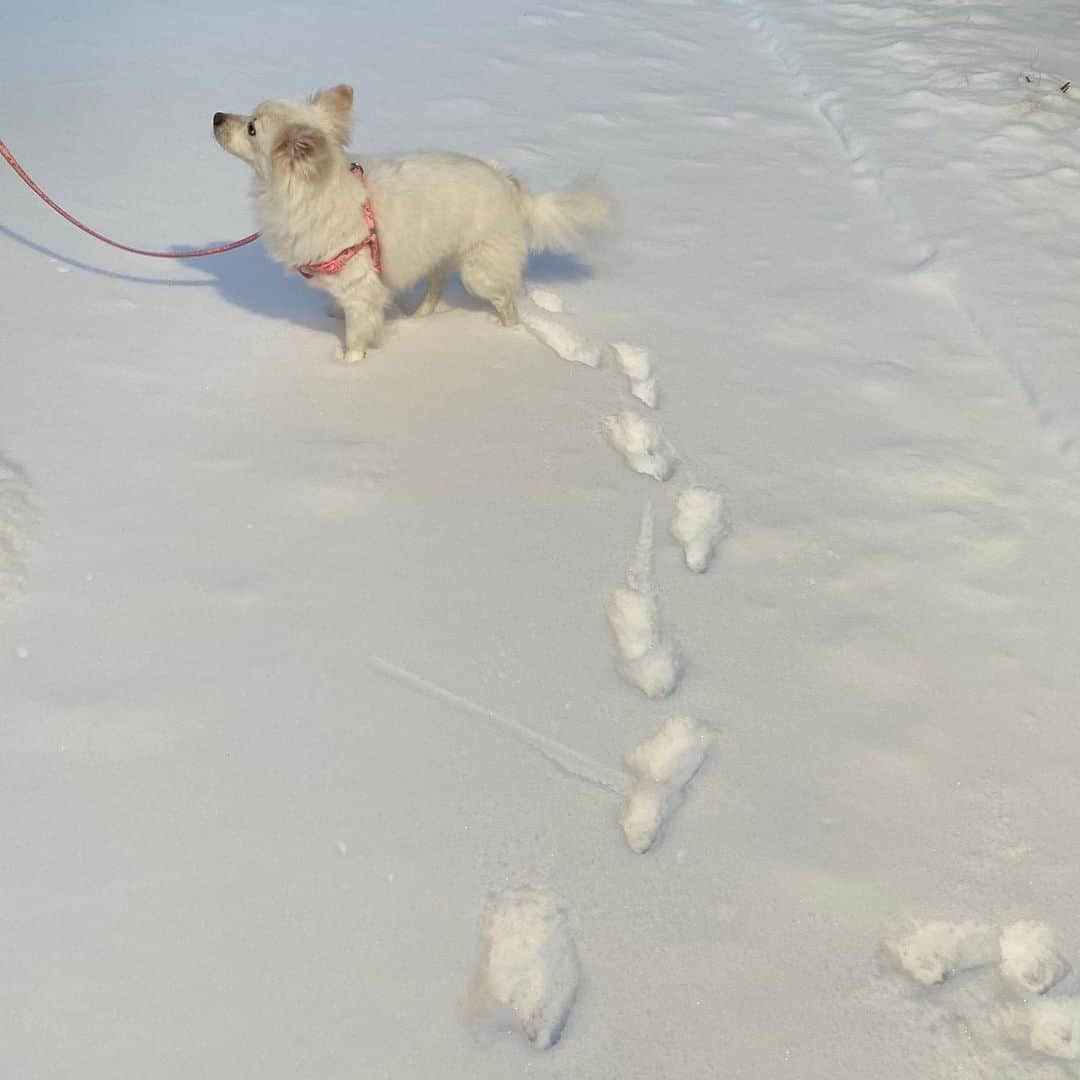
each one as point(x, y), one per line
point(663, 766)
point(530, 964)
point(16, 515)
point(560, 339)
point(1027, 964)
point(698, 522)
point(641, 443)
point(936, 951)
point(546, 301)
point(636, 364)
point(645, 659)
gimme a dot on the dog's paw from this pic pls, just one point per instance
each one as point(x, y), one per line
point(349, 356)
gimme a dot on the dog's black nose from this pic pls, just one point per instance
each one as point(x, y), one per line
point(219, 119)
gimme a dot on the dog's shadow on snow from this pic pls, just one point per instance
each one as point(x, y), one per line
point(248, 279)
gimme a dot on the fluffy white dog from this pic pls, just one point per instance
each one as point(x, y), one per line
point(365, 235)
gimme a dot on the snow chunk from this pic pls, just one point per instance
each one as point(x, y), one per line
point(1055, 1027)
point(636, 364)
point(641, 443)
point(561, 340)
point(530, 962)
point(545, 300)
point(15, 520)
point(697, 524)
point(1029, 960)
point(645, 659)
point(663, 766)
point(938, 950)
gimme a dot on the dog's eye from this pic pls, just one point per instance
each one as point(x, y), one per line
point(251, 128)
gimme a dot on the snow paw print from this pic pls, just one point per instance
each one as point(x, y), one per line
point(662, 766)
point(1020, 986)
point(641, 443)
point(529, 963)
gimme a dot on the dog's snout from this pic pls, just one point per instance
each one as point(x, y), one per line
point(219, 119)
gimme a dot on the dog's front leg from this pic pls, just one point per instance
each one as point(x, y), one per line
point(364, 303)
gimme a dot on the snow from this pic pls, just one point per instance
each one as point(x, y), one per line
point(1028, 958)
point(643, 656)
point(636, 364)
point(300, 663)
point(559, 338)
point(936, 951)
point(1055, 1028)
point(697, 523)
point(530, 963)
point(663, 765)
point(641, 443)
point(15, 523)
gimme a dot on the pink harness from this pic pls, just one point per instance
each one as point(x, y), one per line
point(337, 263)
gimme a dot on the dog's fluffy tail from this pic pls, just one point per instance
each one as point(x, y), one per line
point(563, 220)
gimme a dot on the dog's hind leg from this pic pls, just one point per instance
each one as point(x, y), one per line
point(506, 309)
point(492, 271)
point(436, 284)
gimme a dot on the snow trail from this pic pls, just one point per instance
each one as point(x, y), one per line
point(530, 963)
point(563, 757)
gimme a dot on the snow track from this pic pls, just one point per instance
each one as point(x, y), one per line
point(15, 519)
point(849, 231)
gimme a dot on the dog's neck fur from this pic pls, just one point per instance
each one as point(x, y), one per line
point(307, 220)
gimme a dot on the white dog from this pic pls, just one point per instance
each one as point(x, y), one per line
point(365, 235)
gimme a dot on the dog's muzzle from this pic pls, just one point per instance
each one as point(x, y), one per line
point(219, 119)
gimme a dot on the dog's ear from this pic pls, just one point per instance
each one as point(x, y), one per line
point(336, 105)
point(302, 150)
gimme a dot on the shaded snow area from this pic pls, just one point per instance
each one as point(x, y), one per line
point(356, 721)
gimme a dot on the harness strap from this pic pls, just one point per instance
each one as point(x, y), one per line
point(371, 241)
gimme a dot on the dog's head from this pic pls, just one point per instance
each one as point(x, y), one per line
point(290, 138)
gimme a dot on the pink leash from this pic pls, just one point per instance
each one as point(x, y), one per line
point(21, 173)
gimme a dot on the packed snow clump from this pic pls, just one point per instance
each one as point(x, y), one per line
point(546, 301)
point(937, 950)
point(644, 658)
point(530, 962)
point(1050, 1025)
point(662, 765)
point(697, 524)
point(636, 364)
point(560, 339)
point(1029, 960)
point(641, 444)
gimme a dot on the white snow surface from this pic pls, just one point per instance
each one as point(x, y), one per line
point(233, 846)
